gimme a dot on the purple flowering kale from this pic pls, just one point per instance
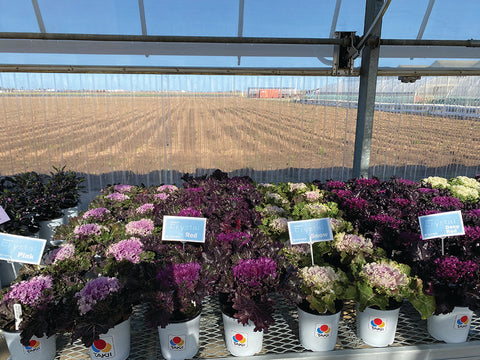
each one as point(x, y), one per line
point(96, 214)
point(335, 185)
point(141, 227)
point(229, 238)
point(453, 270)
point(30, 292)
point(355, 203)
point(447, 202)
point(386, 220)
point(189, 211)
point(254, 272)
point(129, 249)
point(94, 291)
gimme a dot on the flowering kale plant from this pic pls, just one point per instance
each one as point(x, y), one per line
point(386, 282)
point(253, 281)
point(36, 298)
point(101, 304)
point(324, 288)
point(179, 289)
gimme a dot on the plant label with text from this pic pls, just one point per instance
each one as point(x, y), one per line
point(21, 249)
point(310, 231)
point(441, 225)
point(184, 228)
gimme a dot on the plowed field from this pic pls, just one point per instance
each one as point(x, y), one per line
point(143, 134)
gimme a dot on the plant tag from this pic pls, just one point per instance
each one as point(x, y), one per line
point(310, 231)
point(21, 249)
point(184, 228)
point(441, 225)
point(3, 216)
point(17, 310)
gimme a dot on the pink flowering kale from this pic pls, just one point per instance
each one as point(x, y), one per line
point(129, 249)
point(313, 195)
point(116, 196)
point(65, 252)
point(386, 278)
point(189, 211)
point(123, 188)
point(254, 272)
point(145, 208)
point(161, 196)
point(96, 214)
point(279, 225)
point(30, 292)
point(167, 188)
point(88, 230)
point(141, 227)
point(352, 244)
point(94, 291)
point(453, 270)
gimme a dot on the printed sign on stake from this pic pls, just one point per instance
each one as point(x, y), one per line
point(310, 231)
point(184, 228)
point(21, 249)
point(441, 225)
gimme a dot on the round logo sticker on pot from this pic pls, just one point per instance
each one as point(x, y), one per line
point(103, 347)
point(461, 322)
point(377, 324)
point(239, 339)
point(322, 330)
point(33, 346)
point(176, 342)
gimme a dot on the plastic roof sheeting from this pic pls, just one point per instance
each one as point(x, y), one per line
point(406, 19)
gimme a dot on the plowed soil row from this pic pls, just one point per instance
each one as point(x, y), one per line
point(103, 134)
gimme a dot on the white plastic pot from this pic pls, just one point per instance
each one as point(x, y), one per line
point(377, 327)
point(69, 213)
point(318, 332)
point(240, 339)
point(114, 345)
point(180, 340)
point(39, 348)
point(452, 327)
point(47, 228)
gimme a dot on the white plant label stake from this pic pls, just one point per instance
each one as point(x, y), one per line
point(17, 310)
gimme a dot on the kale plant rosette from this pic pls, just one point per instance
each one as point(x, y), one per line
point(101, 304)
point(38, 302)
point(385, 284)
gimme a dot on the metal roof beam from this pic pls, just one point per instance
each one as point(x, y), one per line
point(335, 18)
point(141, 9)
point(428, 11)
point(38, 15)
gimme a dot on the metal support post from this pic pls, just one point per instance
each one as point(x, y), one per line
point(366, 96)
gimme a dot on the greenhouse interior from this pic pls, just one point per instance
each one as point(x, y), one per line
point(219, 179)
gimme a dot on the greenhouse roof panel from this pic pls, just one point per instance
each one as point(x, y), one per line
point(245, 19)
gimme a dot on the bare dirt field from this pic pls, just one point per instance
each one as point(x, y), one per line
point(100, 134)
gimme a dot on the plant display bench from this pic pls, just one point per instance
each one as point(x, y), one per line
point(412, 340)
